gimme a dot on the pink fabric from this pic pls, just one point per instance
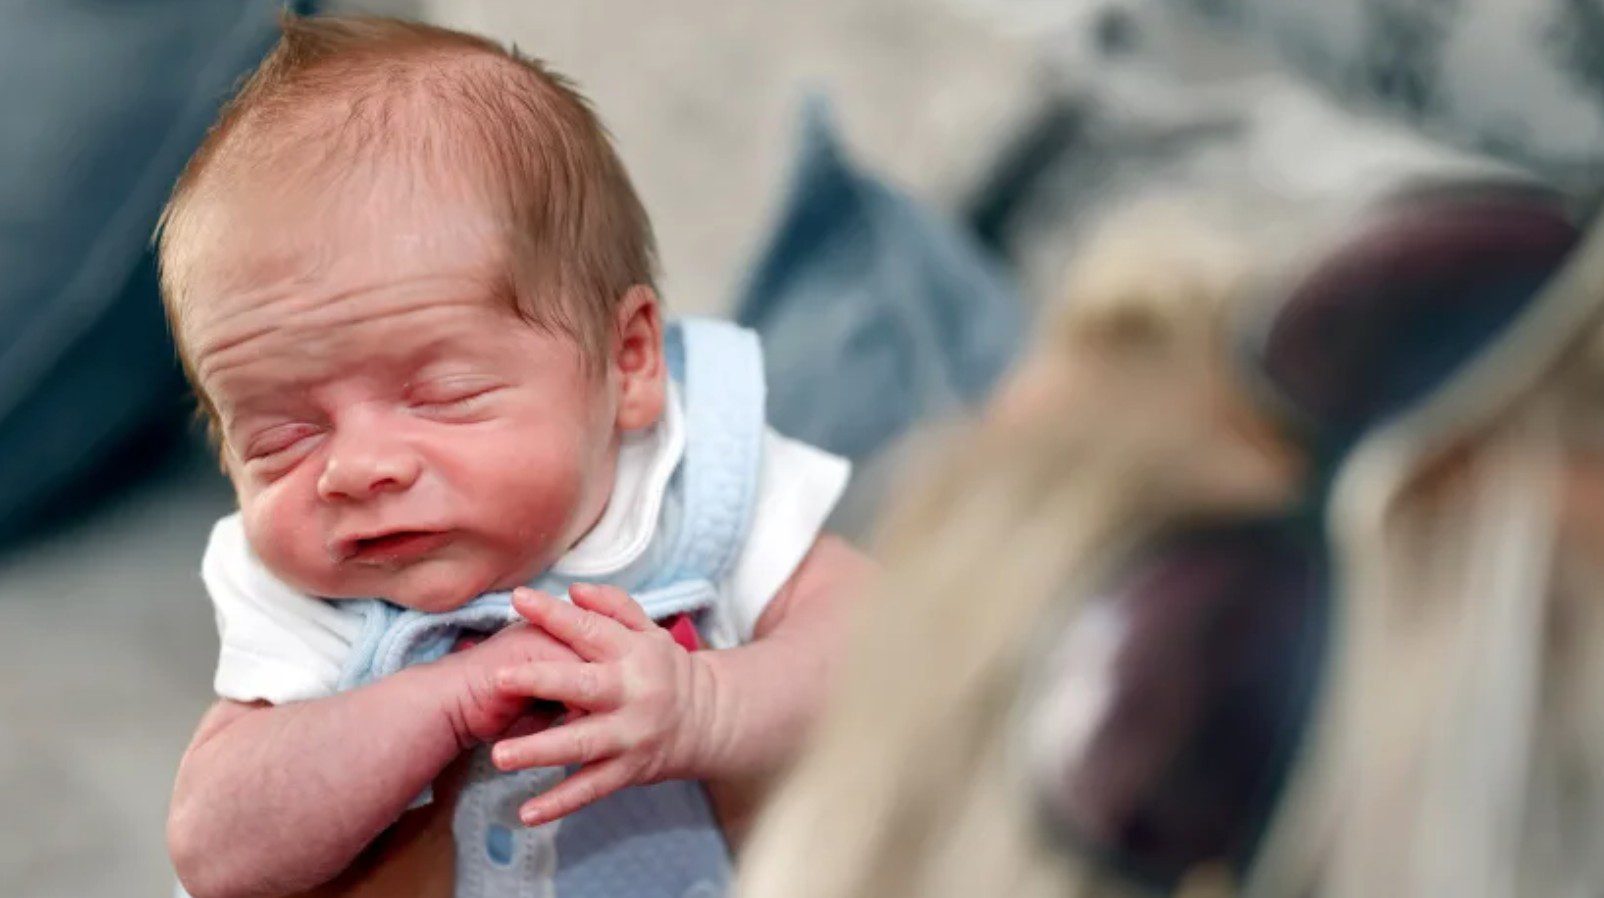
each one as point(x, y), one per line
point(683, 629)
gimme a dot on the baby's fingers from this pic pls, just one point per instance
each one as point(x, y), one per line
point(595, 637)
point(583, 741)
point(613, 602)
point(591, 784)
point(594, 687)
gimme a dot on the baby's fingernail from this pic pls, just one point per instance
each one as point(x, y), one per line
point(530, 816)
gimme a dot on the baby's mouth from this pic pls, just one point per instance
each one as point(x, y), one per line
point(395, 547)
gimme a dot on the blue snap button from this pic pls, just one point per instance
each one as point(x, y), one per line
point(498, 844)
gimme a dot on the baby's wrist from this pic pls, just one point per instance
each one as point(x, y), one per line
point(711, 743)
point(754, 722)
point(456, 694)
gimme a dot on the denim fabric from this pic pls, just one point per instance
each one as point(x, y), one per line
point(100, 104)
point(875, 311)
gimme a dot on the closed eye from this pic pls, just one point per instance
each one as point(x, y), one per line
point(277, 439)
point(279, 446)
point(452, 396)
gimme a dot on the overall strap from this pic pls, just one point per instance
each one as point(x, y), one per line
point(720, 368)
point(393, 638)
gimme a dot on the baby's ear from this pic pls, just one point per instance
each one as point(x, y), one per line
point(637, 359)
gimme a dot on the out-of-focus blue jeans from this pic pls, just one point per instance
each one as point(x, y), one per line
point(100, 105)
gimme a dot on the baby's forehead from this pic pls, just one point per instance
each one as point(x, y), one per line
point(370, 291)
point(268, 353)
point(382, 219)
point(308, 266)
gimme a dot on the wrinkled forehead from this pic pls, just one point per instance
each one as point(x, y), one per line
point(256, 243)
point(269, 347)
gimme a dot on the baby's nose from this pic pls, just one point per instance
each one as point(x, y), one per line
point(354, 473)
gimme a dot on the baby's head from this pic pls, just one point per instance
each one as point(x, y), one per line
point(412, 287)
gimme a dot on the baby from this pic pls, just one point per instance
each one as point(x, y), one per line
point(412, 287)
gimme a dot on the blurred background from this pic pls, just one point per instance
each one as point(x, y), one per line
point(952, 154)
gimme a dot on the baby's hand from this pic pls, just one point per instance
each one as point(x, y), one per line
point(638, 701)
point(484, 711)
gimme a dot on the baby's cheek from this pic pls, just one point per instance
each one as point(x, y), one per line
point(541, 502)
point(530, 499)
point(286, 539)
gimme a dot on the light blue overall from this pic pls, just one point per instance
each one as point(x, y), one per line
point(658, 841)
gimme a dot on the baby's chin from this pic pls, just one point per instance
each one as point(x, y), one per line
point(437, 586)
point(432, 586)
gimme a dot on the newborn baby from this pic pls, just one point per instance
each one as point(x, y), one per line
point(413, 289)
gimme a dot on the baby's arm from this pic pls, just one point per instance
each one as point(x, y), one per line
point(774, 687)
point(275, 799)
point(768, 692)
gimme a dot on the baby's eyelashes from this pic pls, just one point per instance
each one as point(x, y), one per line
point(277, 438)
point(451, 396)
point(278, 446)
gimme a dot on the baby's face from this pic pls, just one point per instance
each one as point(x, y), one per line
point(391, 427)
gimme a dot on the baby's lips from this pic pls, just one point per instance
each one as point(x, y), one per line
point(392, 546)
